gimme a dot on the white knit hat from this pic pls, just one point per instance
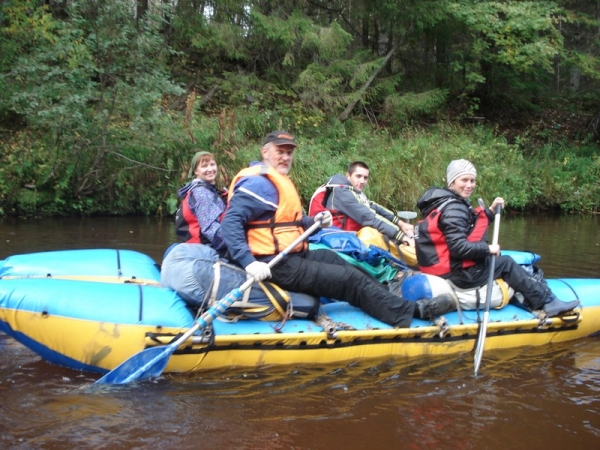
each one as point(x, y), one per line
point(457, 168)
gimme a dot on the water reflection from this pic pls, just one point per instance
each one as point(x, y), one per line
point(150, 235)
point(522, 397)
point(569, 245)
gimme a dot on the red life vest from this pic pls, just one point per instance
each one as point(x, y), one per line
point(432, 249)
point(186, 223)
point(187, 226)
point(318, 203)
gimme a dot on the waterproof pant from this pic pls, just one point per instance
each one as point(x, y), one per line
point(324, 273)
point(536, 294)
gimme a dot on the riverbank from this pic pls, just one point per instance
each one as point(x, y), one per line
point(532, 175)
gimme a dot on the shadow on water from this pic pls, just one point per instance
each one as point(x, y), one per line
point(536, 398)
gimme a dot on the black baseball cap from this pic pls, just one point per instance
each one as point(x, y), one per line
point(280, 137)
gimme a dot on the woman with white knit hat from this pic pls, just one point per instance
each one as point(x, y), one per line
point(451, 242)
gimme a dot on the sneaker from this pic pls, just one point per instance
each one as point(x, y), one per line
point(555, 307)
point(436, 306)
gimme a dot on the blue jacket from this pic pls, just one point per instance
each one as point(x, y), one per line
point(254, 198)
point(207, 204)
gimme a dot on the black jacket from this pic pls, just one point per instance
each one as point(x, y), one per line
point(456, 223)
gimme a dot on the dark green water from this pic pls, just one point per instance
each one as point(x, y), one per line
point(533, 398)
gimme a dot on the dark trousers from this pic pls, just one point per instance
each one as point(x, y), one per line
point(324, 273)
point(536, 294)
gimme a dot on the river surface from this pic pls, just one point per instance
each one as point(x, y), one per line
point(532, 398)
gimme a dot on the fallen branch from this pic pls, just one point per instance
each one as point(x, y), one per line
point(346, 113)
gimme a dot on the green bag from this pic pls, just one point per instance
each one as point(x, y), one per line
point(383, 273)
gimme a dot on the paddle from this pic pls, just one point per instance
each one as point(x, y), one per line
point(150, 362)
point(488, 293)
point(407, 216)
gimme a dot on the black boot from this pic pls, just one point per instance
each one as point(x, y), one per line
point(555, 307)
point(428, 308)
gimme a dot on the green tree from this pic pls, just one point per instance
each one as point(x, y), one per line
point(93, 118)
point(91, 90)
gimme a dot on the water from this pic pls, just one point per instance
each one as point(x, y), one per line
point(535, 398)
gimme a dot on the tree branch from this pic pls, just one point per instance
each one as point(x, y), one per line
point(346, 113)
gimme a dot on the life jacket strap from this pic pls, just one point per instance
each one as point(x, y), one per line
point(295, 223)
point(216, 283)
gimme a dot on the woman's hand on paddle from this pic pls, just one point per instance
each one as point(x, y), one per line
point(497, 201)
point(494, 249)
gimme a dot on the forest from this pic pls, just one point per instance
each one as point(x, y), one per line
point(104, 102)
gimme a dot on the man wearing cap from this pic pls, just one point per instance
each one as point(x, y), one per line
point(198, 218)
point(264, 215)
point(451, 242)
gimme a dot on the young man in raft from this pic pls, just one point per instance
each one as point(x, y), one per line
point(264, 215)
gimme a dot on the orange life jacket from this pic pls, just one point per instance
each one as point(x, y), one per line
point(269, 237)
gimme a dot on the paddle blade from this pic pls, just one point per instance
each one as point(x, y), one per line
point(483, 328)
point(148, 363)
point(480, 342)
point(151, 362)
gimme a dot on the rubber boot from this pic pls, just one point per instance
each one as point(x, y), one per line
point(555, 307)
point(428, 308)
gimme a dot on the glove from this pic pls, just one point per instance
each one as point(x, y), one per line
point(258, 270)
point(325, 218)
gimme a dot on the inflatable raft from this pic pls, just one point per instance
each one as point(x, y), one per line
point(93, 309)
